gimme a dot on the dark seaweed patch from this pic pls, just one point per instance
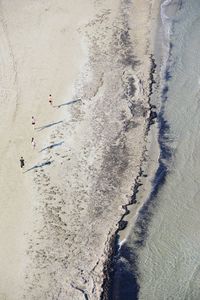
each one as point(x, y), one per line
point(125, 285)
point(167, 74)
point(165, 91)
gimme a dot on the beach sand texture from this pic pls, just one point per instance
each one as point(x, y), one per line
point(59, 212)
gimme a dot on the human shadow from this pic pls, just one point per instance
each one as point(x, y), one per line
point(48, 125)
point(68, 103)
point(52, 146)
point(46, 163)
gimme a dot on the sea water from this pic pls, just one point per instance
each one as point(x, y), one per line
point(161, 256)
point(168, 257)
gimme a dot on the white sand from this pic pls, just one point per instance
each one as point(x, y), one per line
point(56, 220)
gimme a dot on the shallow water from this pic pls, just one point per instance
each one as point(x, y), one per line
point(168, 261)
point(161, 257)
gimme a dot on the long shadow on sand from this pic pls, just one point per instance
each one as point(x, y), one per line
point(48, 125)
point(52, 146)
point(68, 103)
point(46, 163)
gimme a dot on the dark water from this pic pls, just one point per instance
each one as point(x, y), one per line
point(123, 280)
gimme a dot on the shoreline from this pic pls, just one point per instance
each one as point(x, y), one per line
point(120, 247)
point(118, 238)
point(115, 243)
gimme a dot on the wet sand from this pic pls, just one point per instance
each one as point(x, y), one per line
point(59, 213)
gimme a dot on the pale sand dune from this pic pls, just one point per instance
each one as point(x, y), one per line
point(56, 219)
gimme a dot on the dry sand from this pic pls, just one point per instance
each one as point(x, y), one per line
point(58, 214)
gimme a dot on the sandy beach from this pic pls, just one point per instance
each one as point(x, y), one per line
point(59, 212)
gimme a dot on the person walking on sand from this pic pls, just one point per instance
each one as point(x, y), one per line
point(33, 143)
point(33, 122)
point(22, 163)
point(50, 100)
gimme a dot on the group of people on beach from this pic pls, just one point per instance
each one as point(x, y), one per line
point(33, 121)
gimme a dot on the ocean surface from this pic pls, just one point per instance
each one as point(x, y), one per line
point(161, 257)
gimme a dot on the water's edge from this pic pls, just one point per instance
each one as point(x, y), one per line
point(115, 251)
point(120, 269)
